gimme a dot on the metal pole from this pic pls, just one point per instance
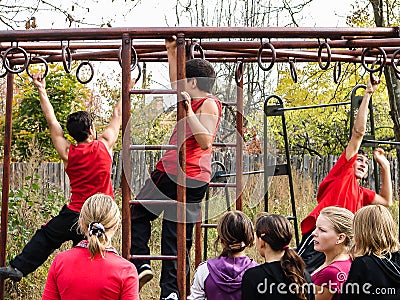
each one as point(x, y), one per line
point(126, 133)
point(181, 173)
point(239, 141)
point(6, 174)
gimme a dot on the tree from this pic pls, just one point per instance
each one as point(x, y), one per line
point(16, 14)
point(29, 124)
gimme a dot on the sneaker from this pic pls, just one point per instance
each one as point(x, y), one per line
point(172, 296)
point(145, 275)
point(9, 272)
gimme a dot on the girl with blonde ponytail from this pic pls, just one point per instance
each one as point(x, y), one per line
point(93, 269)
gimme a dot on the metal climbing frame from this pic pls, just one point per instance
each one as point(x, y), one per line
point(265, 46)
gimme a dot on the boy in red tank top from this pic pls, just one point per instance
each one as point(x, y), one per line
point(341, 186)
point(203, 114)
point(88, 165)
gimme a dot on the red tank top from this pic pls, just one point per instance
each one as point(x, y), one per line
point(198, 161)
point(89, 172)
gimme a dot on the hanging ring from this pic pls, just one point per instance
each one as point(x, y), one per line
point(292, 69)
point(2, 65)
point(273, 56)
point(134, 58)
point(195, 46)
point(329, 55)
point(41, 60)
point(66, 58)
point(382, 60)
point(81, 65)
point(395, 64)
point(337, 71)
point(239, 72)
point(6, 61)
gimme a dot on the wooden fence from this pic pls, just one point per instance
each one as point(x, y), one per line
point(52, 175)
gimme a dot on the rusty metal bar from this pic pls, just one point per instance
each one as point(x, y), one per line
point(196, 32)
point(152, 147)
point(239, 140)
point(181, 168)
point(6, 175)
point(126, 133)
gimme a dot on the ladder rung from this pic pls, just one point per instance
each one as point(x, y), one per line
point(153, 202)
point(153, 257)
point(221, 184)
point(153, 91)
point(152, 147)
point(203, 225)
point(229, 103)
point(224, 145)
point(290, 218)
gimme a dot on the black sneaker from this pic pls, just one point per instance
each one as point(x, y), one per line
point(145, 275)
point(9, 272)
point(172, 296)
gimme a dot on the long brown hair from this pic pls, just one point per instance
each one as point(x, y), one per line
point(277, 232)
point(235, 232)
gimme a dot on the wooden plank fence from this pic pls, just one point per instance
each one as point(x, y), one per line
point(52, 175)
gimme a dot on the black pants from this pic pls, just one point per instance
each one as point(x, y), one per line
point(163, 187)
point(48, 238)
point(311, 257)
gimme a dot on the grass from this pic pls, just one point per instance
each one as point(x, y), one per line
point(32, 286)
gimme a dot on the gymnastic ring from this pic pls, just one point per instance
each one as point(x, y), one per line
point(293, 71)
point(6, 62)
point(329, 56)
point(239, 72)
point(66, 58)
point(133, 55)
point(380, 67)
point(5, 70)
point(195, 46)
point(42, 60)
point(395, 64)
point(85, 63)
point(139, 73)
point(337, 71)
point(371, 73)
point(259, 56)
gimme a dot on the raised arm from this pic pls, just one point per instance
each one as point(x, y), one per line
point(170, 44)
point(110, 134)
point(57, 135)
point(385, 193)
point(360, 124)
point(204, 122)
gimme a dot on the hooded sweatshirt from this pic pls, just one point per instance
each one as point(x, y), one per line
point(220, 278)
point(373, 277)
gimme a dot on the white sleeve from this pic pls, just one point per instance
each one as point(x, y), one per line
point(197, 291)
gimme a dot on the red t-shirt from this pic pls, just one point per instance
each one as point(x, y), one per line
point(73, 275)
point(198, 161)
point(339, 188)
point(89, 172)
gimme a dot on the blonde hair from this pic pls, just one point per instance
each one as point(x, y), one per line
point(374, 232)
point(342, 221)
point(99, 215)
point(235, 231)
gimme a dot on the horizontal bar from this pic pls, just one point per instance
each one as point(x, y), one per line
point(380, 142)
point(203, 225)
point(153, 91)
point(224, 145)
point(313, 106)
point(215, 184)
point(152, 147)
point(153, 202)
point(229, 103)
point(244, 173)
point(153, 257)
point(70, 34)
